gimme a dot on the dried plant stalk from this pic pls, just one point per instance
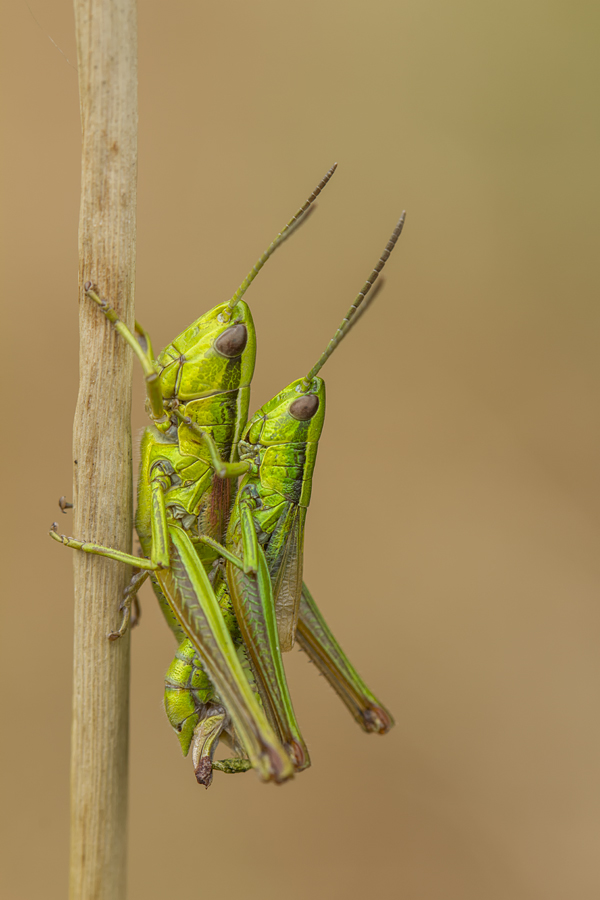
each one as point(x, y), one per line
point(106, 32)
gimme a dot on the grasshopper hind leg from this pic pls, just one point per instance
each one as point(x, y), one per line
point(316, 639)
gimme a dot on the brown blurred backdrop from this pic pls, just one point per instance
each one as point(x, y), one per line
point(453, 534)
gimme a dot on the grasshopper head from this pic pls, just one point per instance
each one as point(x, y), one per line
point(295, 415)
point(216, 353)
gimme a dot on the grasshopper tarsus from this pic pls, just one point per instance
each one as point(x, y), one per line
point(377, 720)
point(125, 623)
point(136, 614)
point(130, 601)
point(298, 756)
point(87, 286)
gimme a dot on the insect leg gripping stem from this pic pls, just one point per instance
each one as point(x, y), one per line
point(129, 596)
point(151, 375)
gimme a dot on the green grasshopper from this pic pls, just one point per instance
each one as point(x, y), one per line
point(183, 507)
point(165, 476)
point(264, 552)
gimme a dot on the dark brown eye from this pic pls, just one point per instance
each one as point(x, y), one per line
point(305, 407)
point(232, 341)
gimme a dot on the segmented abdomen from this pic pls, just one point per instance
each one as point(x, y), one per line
point(187, 691)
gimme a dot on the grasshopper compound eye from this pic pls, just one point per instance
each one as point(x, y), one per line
point(305, 407)
point(232, 342)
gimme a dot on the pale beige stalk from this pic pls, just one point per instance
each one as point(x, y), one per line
point(106, 33)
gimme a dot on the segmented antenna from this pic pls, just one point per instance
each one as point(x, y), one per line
point(351, 316)
point(364, 306)
point(278, 240)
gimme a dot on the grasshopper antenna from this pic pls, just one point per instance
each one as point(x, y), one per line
point(355, 310)
point(380, 284)
point(291, 225)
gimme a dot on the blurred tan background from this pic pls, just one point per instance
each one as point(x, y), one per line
point(453, 534)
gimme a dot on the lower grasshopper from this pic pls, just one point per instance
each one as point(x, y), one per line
point(264, 547)
point(183, 506)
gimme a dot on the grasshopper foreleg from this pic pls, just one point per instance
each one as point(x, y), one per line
point(223, 551)
point(222, 468)
point(153, 388)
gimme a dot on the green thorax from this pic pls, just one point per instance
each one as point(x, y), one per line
point(195, 498)
point(283, 446)
point(207, 372)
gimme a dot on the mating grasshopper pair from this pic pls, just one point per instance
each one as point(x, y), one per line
point(226, 566)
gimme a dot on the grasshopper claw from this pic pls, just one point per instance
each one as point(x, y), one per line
point(298, 755)
point(137, 612)
point(130, 599)
point(64, 504)
point(377, 720)
point(115, 635)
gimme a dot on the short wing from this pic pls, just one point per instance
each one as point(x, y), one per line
point(285, 555)
point(252, 598)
